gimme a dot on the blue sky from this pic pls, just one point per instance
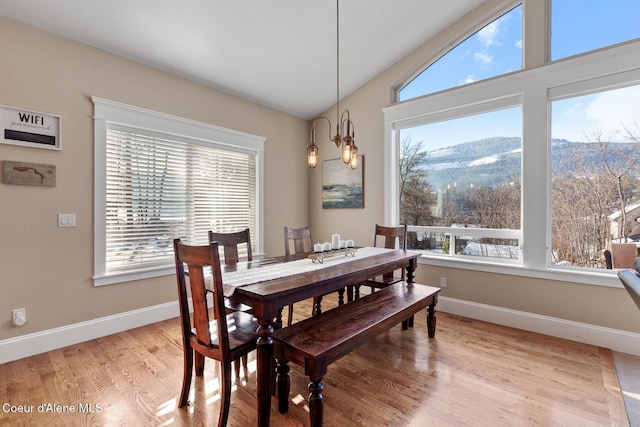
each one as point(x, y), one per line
point(577, 26)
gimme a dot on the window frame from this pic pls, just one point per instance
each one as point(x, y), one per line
point(114, 114)
point(460, 38)
point(599, 70)
point(460, 111)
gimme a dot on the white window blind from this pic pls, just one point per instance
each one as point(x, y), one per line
point(160, 177)
point(159, 189)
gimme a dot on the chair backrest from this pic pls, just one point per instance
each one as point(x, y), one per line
point(197, 258)
point(623, 255)
point(394, 237)
point(230, 242)
point(301, 237)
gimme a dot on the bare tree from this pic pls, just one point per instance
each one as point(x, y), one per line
point(411, 155)
point(583, 195)
point(618, 165)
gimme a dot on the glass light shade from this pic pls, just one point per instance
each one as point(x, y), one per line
point(346, 150)
point(353, 163)
point(312, 155)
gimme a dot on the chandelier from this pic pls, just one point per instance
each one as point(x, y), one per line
point(345, 130)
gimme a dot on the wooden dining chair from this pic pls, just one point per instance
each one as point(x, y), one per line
point(230, 243)
point(301, 239)
point(389, 238)
point(302, 242)
point(212, 332)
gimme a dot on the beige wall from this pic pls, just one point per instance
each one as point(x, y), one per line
point(48, 270)
point(597, 305)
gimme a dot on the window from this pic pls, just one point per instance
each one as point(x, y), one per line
point(595, 181)
point(493, 50)
point(460, 184)
point(564, 122)
point(180, 179)
point(582, 26)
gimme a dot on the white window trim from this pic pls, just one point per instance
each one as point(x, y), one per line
point(116, 113)
point(595, 71)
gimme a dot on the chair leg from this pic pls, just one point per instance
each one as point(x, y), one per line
point(199, 363)
point(186, 379)
point(225, 394)
point(290, 315)
point(245, 365)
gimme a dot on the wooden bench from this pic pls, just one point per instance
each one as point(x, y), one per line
point(316, 342)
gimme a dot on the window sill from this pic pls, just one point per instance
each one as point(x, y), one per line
point(112, 279)
point(607, 278)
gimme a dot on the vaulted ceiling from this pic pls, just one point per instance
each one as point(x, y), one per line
point(278, 53)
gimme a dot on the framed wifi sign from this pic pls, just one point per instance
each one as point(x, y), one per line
point(29, 128)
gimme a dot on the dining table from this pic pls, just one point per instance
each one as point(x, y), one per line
point(270, 283)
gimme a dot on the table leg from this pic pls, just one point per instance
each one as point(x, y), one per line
point(431, 320)
point(265, 371)
point(411, 268)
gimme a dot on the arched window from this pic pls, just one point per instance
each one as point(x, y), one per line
point(494, 50)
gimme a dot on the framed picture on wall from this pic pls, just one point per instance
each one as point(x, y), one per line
point(29, 128)
point(342, 187)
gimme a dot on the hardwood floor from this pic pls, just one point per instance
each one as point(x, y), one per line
point(472, 373)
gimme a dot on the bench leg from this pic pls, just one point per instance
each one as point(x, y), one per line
point(283, 384)
point(316, 402)
point(317, 306)
point(431, 320)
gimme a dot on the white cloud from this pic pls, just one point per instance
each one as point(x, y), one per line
point(469, 79)
point(610, 111)
point(519, 44)
point(577, 119)
point(488, 34)
point(483, 57)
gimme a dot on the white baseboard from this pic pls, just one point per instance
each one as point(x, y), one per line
point(614, 339)
point(40, 342)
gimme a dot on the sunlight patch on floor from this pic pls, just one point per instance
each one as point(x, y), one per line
point(635, 396)
point(167, 407)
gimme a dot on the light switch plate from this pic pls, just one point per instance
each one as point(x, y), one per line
point(66, 220)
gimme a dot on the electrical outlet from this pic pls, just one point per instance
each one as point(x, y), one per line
point(443, 282)
point(19, 316)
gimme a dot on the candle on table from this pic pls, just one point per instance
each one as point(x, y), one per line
point(335, 241)
point(350, 243)
point(317, 247)
point(326, 247)
point(343, 244)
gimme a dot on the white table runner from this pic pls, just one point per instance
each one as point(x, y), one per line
point(235, 279)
